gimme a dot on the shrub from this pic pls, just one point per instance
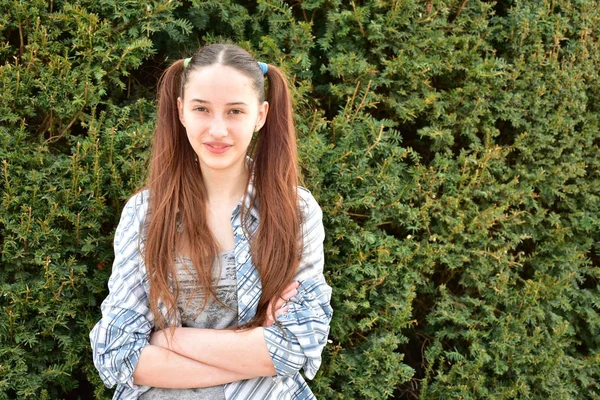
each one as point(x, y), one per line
point(73, 140)
point(453, 147)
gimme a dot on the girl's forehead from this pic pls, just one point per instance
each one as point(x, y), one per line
point(219, 79)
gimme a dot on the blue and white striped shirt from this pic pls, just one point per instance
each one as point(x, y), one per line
point(119, 337)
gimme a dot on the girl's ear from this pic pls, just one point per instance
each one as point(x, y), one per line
point(263, 110)
point(180, 111)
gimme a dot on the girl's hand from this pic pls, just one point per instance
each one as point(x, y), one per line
point(279, 304)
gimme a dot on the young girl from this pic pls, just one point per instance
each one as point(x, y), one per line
point(217, 289)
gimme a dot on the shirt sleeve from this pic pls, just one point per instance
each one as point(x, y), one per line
point(306, 324)
point(118, 338)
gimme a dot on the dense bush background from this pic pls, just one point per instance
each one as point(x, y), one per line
point(452, 144)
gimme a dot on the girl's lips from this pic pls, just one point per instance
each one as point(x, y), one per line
point(217, 148)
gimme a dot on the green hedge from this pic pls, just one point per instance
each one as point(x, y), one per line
point(452, 144)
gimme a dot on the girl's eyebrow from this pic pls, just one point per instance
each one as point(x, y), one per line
point(235, 103)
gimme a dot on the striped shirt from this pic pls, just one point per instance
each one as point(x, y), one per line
point(127, 322)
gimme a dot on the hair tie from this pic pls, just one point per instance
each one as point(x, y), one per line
point(186, 62)
point(264, 67)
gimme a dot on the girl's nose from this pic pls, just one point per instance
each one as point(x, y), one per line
point(218, 128)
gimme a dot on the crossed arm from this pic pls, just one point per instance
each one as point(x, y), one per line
point(183, 362)
point(161, 367)
point(195, 357)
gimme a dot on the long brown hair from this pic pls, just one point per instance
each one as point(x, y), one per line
point(177, 209)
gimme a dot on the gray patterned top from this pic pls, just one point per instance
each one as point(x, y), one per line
point(214, 316)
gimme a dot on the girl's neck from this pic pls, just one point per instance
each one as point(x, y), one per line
point(225, 186)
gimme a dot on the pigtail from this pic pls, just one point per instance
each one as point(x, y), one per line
point(168, 129)
point(276, 244)
point(170, 155)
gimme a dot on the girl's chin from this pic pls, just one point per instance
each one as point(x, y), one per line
point(221, 163)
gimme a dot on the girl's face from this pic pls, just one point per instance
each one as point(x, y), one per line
point(220, 112)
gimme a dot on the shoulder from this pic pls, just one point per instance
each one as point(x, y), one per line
point(139, 199)
point(137, 204)
point(308, 204)
point(133, 216)
point(312, 216)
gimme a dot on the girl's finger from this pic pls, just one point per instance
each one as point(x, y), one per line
point(289, 294)
point(269, 310)
point(291, 287)
point(276, 304)
point(282, 311)
point(285, 297)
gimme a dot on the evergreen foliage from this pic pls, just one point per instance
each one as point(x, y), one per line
point(452, 144)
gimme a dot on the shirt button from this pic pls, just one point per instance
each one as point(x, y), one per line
point(246, 299)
